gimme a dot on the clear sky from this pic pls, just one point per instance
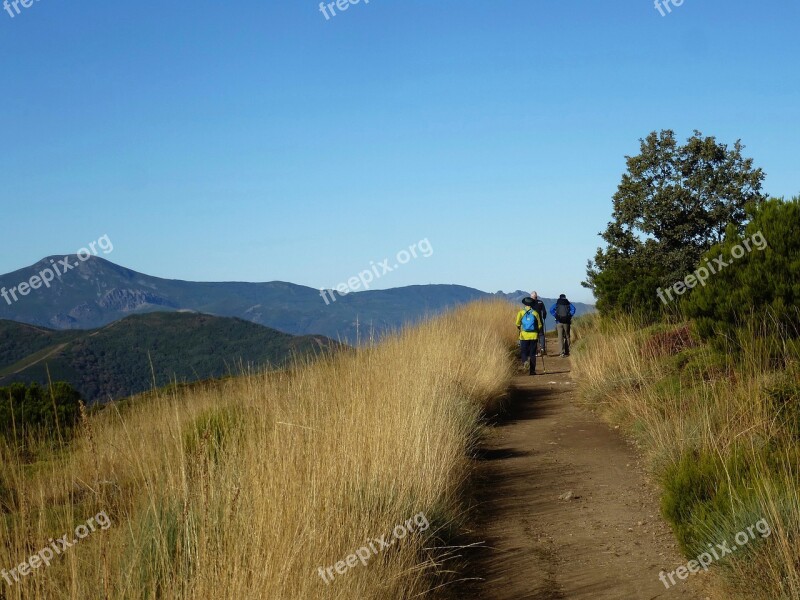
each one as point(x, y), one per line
point(258, 141)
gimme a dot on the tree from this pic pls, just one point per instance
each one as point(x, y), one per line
point(763, 284)
point(673, 203)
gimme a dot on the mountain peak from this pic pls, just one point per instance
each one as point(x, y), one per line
point(94, 292)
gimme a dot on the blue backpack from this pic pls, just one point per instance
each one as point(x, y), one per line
point(530, 323)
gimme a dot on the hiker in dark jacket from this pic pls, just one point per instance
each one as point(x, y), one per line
point(563, 311)
point(539, 307)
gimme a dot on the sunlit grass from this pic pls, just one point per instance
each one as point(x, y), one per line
point(243, 488)
point(721, 432)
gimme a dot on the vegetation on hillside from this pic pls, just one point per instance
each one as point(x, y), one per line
point(245, 488)
point(33, 410)
point(697, 351)
point(721, 428)
point(133, 355)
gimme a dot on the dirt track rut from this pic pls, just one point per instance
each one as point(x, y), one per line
point(606, 541)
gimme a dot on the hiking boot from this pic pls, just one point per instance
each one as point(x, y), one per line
point(562, 355)
point(526, 365)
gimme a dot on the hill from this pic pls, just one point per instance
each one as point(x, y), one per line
point(131, 355)
point(97, 292)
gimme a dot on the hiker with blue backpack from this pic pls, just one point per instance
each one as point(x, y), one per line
point(529, 324)
point(563, 311)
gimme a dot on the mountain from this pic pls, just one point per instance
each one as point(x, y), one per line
point(127, 356)
point(97, 292)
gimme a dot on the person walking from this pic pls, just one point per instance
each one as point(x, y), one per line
point(539, 307)
point(563, 311)
point(529, 324)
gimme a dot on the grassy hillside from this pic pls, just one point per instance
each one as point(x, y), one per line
point(722, 433)
point(246, 488)
point(130, 356)
point(18, 341)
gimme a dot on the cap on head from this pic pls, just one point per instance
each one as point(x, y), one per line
point(564, 296)
point(527, 301)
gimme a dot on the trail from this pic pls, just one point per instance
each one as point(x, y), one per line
point(607, 541)
point(56, 349)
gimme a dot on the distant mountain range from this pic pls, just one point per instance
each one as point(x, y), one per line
point(131, 355)
point(97, 292)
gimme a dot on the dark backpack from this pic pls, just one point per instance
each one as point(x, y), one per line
point(563, 312)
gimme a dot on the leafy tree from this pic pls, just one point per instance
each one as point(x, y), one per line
point(673, 203)
point(763, 284)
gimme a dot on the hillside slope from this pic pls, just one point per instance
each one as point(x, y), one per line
point(98, 292)
point(131, 355)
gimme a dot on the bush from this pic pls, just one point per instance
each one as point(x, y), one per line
point(690, 485)
point(783, 399)
point(33, 408)
point(211, 433)
point(760, 290)
point(669, 343)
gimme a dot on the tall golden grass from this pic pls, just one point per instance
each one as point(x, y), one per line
point(687, 404)
point(244, 488)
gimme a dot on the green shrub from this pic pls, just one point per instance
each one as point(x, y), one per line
point(759, 291)
point(696, 365)
point(168, 544)
point(212, 431)
point(49, 411)
point(783, 399)
point(701, 494)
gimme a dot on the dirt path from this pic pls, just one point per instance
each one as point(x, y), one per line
point(55, 350)
point(605, 542)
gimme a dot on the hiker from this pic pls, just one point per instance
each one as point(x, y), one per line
point(529, 324)
point(539, 307)
point(563, 311)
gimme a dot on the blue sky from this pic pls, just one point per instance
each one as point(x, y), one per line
point(258, 141)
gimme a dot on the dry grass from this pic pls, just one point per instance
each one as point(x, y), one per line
point(726, 457)
point(243, 489)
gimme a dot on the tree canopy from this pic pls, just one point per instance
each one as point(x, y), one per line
point(673, 203)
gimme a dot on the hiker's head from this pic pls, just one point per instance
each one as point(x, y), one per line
point(562, 297)
point(535, 295)
point(527, 301)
